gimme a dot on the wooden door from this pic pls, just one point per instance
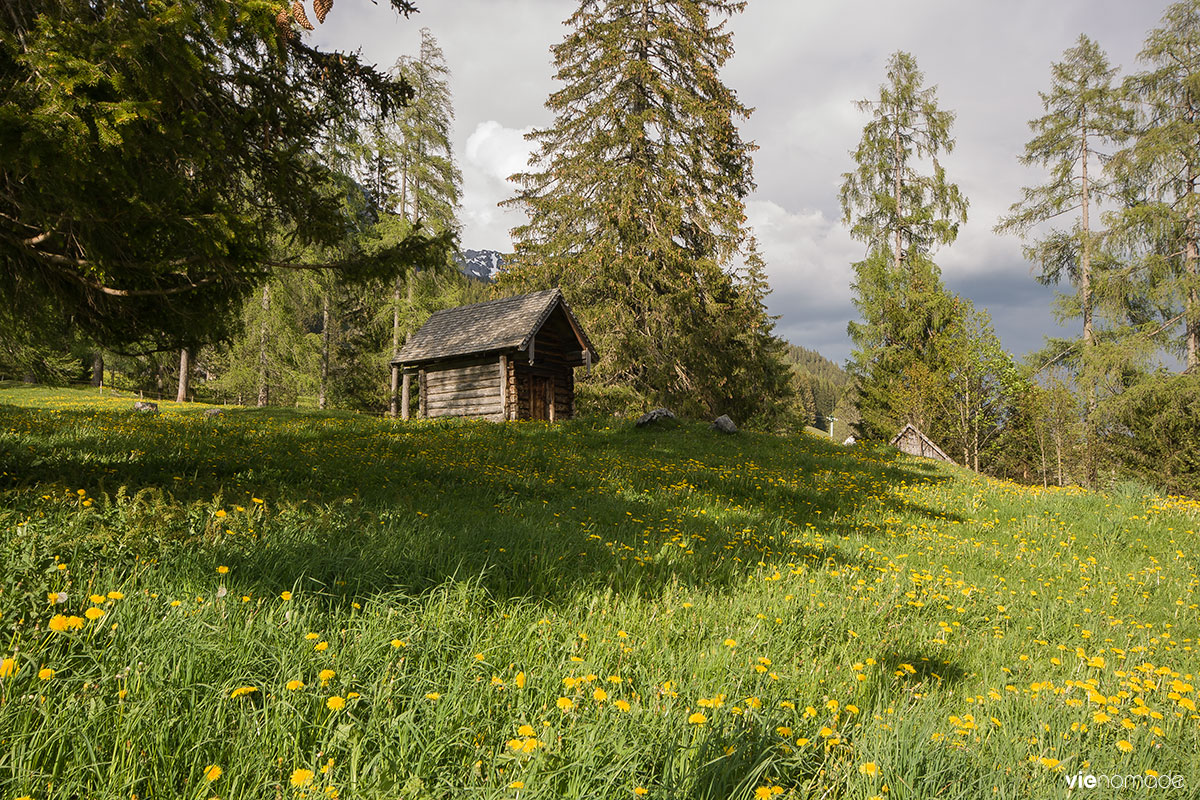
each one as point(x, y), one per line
point(539, 397)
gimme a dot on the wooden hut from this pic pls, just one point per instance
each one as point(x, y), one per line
point(507, 359)
point(910, 440)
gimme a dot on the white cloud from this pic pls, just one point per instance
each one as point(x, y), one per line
point(498, 151)
point(492, 153)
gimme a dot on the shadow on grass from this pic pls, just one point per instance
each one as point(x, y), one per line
point(355, 505)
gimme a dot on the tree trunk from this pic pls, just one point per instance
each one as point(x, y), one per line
point(324, 351)
point(393, 399)
point(1058, 452)
point(97, 369)
point(1041, 435)
point(264, 395)
point(896, 177)
point(185, 371)
point(1085, 300)
point(1192, 309)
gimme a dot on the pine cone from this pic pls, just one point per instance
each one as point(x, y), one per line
point(321, 8)
point(301, 17)
point(283, 21)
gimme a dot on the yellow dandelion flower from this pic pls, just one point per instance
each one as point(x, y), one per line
point(45, 673)
point(325, 676)
point(641, 791)
point(294, 685)
point(242, 691)
point(802, 741)
point(731, 642)
point(519, 681)
point(621, 706)
point(335, 703)
point(565, 703)
point(94, 613)
point(58, 623)
point(7, 667)
point(825, 732)
point(301, 777)
point(115, 596)
point(784, 731)
point(288, 596)
point(525, 730)
point(399, 643)
point(311, 636)
point(599, 695)
point(870, 769)
point(97, 598)
point(516, 785)
point(433, 696)
point(321, 647)
point(1125, 746)
point(697, 719)
point(212, 772)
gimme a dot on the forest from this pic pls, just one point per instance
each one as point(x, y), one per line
point(197, 203)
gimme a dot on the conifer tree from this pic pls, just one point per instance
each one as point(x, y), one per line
point(1084, 116)
point(635, 201)
point(1161, 172)
point(899, 203)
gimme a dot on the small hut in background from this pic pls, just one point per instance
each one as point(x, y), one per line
point(506, 359)
point(910, 440)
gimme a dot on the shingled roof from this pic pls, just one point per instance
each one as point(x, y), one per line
point(505, 324)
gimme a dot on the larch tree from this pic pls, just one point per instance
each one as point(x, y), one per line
point(1085, 117)
point(1160, 170)
point(408, 165)
point(898, 202)
point(635, 199)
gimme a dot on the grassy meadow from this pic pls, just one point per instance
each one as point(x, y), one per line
point(289, 604)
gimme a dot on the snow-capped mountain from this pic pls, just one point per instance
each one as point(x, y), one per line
point(482, 265)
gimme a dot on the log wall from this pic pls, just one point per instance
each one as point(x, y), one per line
point(463, 389)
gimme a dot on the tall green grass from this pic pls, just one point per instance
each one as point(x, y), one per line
point(673, 612)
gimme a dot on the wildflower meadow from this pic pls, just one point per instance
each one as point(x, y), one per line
point(292, 604)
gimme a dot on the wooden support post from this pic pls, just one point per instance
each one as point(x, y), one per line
point(392, 399)
point(405, 383)
point(550, 397)
point(503, 386)
point(530, 351)
point(422, 411)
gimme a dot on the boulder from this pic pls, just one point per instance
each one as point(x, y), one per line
point(650, 417)
point(145, 407)
point(212, 412)
point(724, 424)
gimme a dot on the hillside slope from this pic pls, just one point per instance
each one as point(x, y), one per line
point(334, 604)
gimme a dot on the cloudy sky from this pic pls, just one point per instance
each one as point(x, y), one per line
point(801, 65)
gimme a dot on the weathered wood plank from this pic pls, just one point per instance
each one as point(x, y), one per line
point(503, 377)
point(463, 409)
point(474, 393)
point(405, 389)
point(421, 410)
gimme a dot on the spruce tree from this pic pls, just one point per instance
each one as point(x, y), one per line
point(899, 203)
point(635, 202)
